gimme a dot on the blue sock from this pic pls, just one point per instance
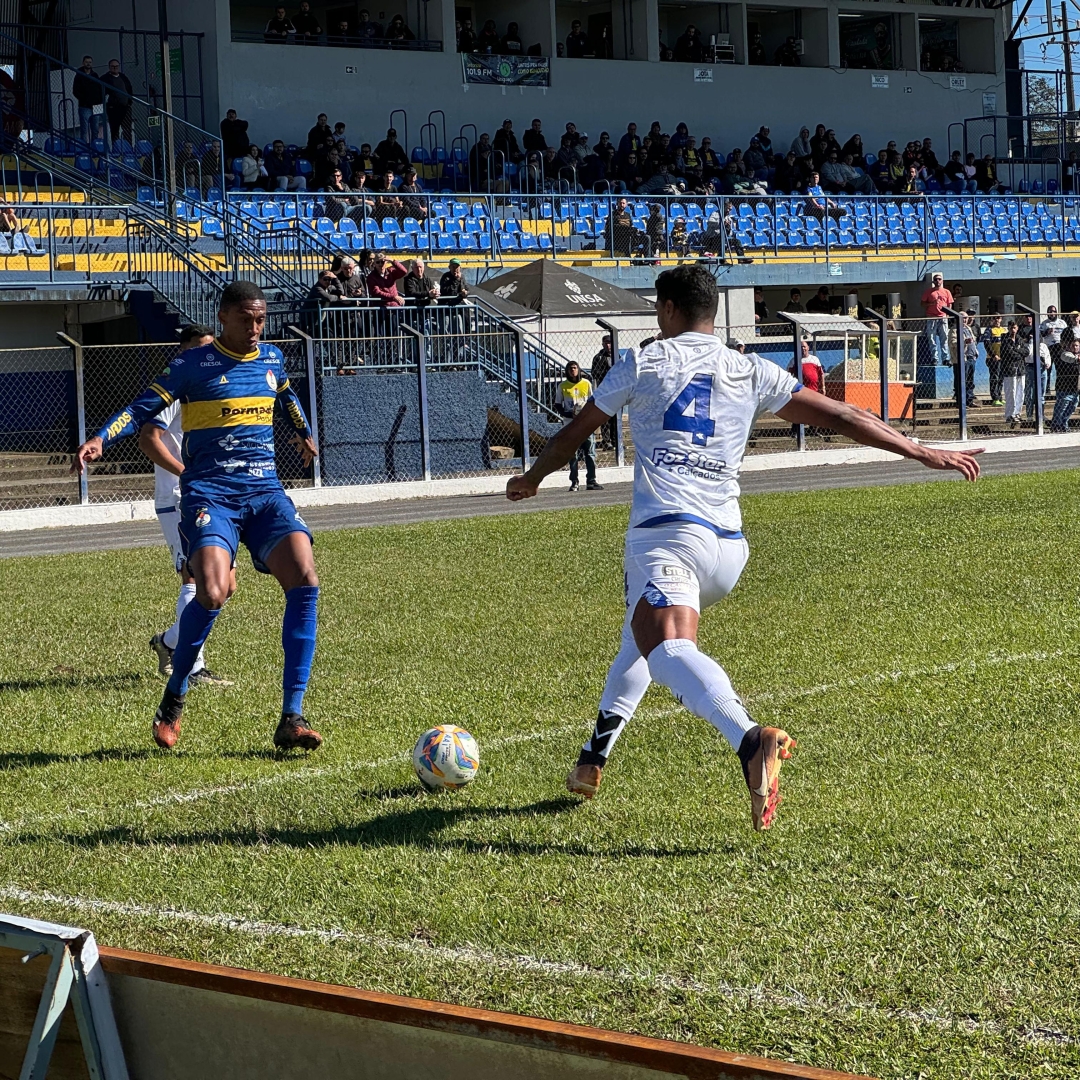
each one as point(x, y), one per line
point(195, 625)
point(298, 641)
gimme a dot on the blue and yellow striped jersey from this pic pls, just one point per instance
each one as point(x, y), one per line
point(227, 407)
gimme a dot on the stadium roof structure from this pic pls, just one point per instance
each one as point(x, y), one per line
point(550, 289)
point(814, 323)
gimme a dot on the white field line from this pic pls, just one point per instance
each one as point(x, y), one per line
point(171, 798)
point(559, 969)
point(876, 678)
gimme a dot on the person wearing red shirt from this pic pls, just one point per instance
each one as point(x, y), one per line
point(383, 279)
point(936, 330)
point(813, 377)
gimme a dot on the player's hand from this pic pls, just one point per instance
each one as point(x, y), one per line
point(963, 461)
point(520, 487)
point(89, 451)
point(306, 448)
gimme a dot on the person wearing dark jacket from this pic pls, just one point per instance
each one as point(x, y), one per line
point(118, 95)
point(390, 154)
point(506, 143)
point(87, 90)
point(418, 287)
point(317, 136)
point(234, 136)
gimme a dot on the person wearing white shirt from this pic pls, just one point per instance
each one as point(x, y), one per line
point(693, 403)
point(160, 440)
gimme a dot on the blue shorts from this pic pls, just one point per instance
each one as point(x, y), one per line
point(261, 521)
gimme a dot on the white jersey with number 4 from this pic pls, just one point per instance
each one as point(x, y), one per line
point(693, 403)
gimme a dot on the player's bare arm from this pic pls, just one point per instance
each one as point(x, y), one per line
point(152, 444)
point(557, 453)
point(864, 427)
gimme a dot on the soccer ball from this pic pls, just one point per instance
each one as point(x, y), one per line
point(446, 757)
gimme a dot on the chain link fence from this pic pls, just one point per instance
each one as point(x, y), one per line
point(452, 392)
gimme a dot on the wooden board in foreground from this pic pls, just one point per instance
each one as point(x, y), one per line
point(181, 1020)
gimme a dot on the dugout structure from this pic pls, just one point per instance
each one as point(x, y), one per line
point(168, 1019)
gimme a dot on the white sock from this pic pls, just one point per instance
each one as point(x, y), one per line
point(172, 635)
point(702, 685)
point(627, 680)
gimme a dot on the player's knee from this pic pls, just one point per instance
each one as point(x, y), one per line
point(214, 594)
point(308, 577)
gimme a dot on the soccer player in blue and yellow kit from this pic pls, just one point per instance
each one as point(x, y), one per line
point(230, 492)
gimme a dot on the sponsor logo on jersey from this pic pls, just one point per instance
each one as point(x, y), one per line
point(202, 519)
point(271, 380)
point(230, 442)
point(675, 458)
point(301, 520)
point(210, 361)
point(676, 573)
point(119, 424)
point(261, 411)
point(223, 382)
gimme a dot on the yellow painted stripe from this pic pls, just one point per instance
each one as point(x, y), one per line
point(227, 412)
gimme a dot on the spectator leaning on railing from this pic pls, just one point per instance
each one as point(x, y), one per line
point(306, 25)
point(418, 287)
point(279, 29)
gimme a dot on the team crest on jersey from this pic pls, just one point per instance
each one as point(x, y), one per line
point(271, 379)
point(202, 519)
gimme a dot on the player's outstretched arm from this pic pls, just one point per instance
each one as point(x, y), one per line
point(558, 451)
point(807, 407)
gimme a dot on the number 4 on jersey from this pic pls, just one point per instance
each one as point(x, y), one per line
point(697, 392)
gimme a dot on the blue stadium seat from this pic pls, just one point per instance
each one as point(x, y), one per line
point(324, 226)
point(508, 241)
point(98, 146)
point(84, 163)
point(303, 167)
point(212, 227)
point(444, 241)
point(419, 156)
point(529, 242)
point(544, 241)
point(483, 241)
point(347, 225)
point(403, 241)
point(382, 242)
point(389, 225)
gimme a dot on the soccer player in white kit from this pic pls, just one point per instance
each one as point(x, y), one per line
point(160, 440)
point(693, 403)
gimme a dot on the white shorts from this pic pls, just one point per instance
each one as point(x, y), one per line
point(170, 529)
point(681, 564)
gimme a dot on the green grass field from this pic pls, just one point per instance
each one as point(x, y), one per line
point(915, 912)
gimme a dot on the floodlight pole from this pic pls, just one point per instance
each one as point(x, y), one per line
point(960, 369)
point(1037, 360)
point(883, 346)
point(620, 449)
point(796, 330)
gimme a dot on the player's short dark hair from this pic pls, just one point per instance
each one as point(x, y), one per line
point(239, 292)
point(192, 332)
point(692, 289)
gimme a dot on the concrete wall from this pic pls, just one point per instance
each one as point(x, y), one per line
point(281, 90)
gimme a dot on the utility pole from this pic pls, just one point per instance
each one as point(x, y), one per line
point(168, 149)
point(1070, 93)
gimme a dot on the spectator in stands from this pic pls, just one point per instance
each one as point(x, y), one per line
point(281, 169)
point(9, 220)
point(971, 172)
point(211, 167)
point(856, 180)
point(326, 292)
point(487, 41)
point(1066, 390)
point(817, 204)
point(188, 166)
point(656, 229)
point(279, 29)
point(688, 163)
point(598, 369)
point(88, 92)
point(317, 136)
point(466, 39)
point(1014, 353)
point(387, 204)
point(335, 208)
point(795, 305)
point(485, 167)
point(577, 42)
point(306, 25)
point(118, 96)
point(454, 292)
point(398, 30)
point(910, 184)
point(1050, 332)
point(390, 154)
point(787, 55)
point(412, 202)
point(1038, 361)
point(833, 175)
point(349, 278)
point(574, 393)
point(368, 31)
point(383, 278)
point(761, 309)
point(533, 140)
point(822, 144)
point(662, 182)
point(935, 329)
point(234, 136)
point(624, 238)
point(813, 374)
point(821, 303)
point(788, 178)
point(631, 175)
point(955, 177)
point(253, 171)
point(800, 145)
point(879, 173)
point(986, 176)
point(342, 35)
point(511, 44)
point(361, 208)
point(506, 143)
point(928, 157)
point(755, 51)
point(604, 144)
point(365, 161)
point(418, 287)
point(711, 165)
point(689, 48)
point(630, 142)
point(992, 336)
point(854, 147)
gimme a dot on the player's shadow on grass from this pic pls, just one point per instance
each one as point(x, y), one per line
point(38, 759)
point(73, 681)
point(420, 826)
